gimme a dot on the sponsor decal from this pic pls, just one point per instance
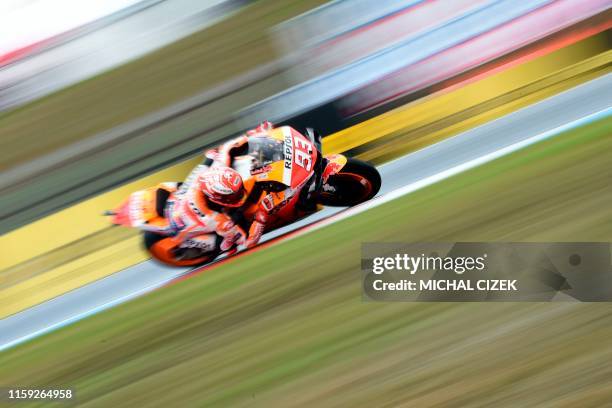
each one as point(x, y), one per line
point(135, 208)
point(205, 244)
point(303, 153)
point(196, 209)
point(279, 206)
point(221, 189)
point(329, 188)
point(268, 202)
point(288, 150)
point(288, 153)
point(331, 168)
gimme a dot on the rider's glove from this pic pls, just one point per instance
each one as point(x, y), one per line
point(263, 127)
point(255, 233)
point(236, 237)
point(232, 235)
point(258, 226)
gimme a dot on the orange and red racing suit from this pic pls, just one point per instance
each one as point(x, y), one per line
point(191, 214)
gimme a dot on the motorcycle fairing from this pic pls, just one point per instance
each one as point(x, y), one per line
point(299, 157)
point(139, 209)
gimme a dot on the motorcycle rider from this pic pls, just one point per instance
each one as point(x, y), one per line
point(203, 207)
point(224, 155)
point(211, 191)
point(286, 177)
point(271, 202)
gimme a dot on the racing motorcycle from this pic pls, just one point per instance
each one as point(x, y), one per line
point(277, 159)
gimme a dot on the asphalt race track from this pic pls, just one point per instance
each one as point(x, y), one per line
point(549, 115)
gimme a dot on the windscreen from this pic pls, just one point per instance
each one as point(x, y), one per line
point(265, 150)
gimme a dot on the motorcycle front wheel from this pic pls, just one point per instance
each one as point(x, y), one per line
point(356, 182)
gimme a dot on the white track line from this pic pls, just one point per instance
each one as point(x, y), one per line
point(77, 317)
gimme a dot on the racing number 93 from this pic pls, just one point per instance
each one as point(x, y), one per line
point(303, 153)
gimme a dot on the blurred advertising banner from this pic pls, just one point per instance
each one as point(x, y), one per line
point(341, 32)
point(349, 57)
point(482, 272)
point(40, 62)
point(28, 26)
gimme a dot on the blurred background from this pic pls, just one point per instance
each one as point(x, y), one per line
point(102, 98)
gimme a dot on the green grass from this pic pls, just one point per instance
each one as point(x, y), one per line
point(200, 61)
point(286, 326)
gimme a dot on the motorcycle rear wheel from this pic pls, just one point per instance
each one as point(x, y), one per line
point(164, 250)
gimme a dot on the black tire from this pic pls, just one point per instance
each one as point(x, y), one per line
point(150, 238)
point(346, 188)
